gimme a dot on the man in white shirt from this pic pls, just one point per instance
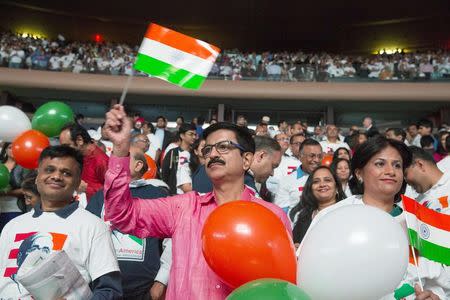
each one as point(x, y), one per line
point(430, 183)
point(413, 137)
point(289, 163)
point(291, 187)
point(57, 223)
point(331, 142)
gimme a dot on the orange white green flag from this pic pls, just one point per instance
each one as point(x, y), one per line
point(175, 57)
point(429, 231)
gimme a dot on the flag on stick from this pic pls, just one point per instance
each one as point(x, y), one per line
point(429, 231)
point(175, 57)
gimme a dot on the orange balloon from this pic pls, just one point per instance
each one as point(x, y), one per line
point(151, 172)
point(327, 160)
point(244, 241)
point(27, 148)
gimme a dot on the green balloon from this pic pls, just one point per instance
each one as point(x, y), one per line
point(51, 117)
point(4, 176)
point(268, 289)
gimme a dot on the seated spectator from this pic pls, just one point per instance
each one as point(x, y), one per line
point(138, 258)
point(58, 221)
point(342, 168)
point(321, 190)
point(94, 159)
point(396, 134)
point(331, 142)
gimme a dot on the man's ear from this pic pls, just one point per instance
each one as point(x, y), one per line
point(247, 159)
point(259, 155)
point(138, 166)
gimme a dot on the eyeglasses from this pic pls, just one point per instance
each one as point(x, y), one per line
point(283, 140)
point(296, 143)
point(222, 147)
point(144, 141)
point(314, 155)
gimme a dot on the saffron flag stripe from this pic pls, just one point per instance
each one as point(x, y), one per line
point(430, 233)
point(175, 57)
point(182, 42)
point(429, 250)
point(426, 215)
point(167, 72)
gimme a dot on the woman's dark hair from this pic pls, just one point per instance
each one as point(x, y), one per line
point(335, 163)
point(29, 183)
point(308, 204)
point(150, 125)
point(3, 155)
point(336, 153)
point(441, 147)
point(367, 150)
point(243, 135)
point(194, 162)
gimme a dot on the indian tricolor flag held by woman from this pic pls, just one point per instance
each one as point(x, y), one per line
point(429, 231)
point(175, 57)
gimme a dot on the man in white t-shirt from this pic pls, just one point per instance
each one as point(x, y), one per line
point(56, 224)
point(291, 187)
point(331, 142)
point(289, 162)
point(413, 136)
point(175, 165)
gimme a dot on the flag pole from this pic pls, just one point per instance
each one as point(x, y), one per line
point(413, 252)
point(125, 89)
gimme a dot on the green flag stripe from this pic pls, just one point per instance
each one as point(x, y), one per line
point(136, 239)
point(168, 72)
point(429, 250)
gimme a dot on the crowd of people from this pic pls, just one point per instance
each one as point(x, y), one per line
point(25, 51)
point(153, 250)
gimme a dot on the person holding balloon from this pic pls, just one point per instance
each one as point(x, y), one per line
point(322, 189)
point(228, 153)
point(378, 166)
point(9, 198)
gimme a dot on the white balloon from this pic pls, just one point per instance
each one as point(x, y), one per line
point(354, 252)
point(13, 122)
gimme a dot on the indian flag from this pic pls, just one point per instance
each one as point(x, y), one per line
point(175, 57)
point(429, 231)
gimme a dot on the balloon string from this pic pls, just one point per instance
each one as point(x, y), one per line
point(125, 90)
point(413, 253)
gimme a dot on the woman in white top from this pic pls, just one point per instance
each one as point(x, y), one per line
point(10, 197)
point(378, 172)
point(341, 167)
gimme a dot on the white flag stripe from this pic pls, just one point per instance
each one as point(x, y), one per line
point(177, 58)
point(435, 235)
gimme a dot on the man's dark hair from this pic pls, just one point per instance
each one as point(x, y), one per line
point(413, 124)
point(291, 140)
point(309, 142)
point(161, 117)
point(266, 143)
point(185, 127)
point(419, 153)
point(243, 135)
point(180, 117)
point(79, 117)
point(425, 123)
point(76, 131)
point(200, 120)
point(397, 132)
point(280, 122)
point(60, 152)
point(137, 155)
point(426, 141)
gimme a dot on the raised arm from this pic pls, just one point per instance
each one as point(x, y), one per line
point(142, 218)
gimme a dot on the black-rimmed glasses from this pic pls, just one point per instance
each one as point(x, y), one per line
point(222, 147)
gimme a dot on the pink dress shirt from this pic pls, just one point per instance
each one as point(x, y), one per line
point(179, 217)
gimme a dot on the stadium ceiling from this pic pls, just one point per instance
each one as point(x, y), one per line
point(256, 24)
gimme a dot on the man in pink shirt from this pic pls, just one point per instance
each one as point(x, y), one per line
point(229, 152)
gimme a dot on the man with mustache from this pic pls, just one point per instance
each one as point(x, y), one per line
point(229, 153)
